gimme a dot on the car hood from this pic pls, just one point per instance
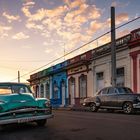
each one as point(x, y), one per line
point(15, 101)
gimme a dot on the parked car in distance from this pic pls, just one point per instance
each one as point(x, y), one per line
point(114, 98)
point(18, 105)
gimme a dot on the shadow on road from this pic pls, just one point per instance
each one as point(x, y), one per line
point(105, 111)
point(20, 127)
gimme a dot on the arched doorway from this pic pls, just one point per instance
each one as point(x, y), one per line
point(42, 90)
point(71, 83)
point(63, 91)
point(48, 90)
point(37, 91)
point(82, 87)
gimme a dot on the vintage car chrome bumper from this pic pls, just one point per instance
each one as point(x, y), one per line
point(136, 106)
point(23, 110)
point(14, 118)
point(25, 119)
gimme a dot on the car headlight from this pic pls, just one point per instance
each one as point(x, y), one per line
point(138, 98)
point(47, 103)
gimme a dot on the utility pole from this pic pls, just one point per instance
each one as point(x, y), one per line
point(18, 76)
point(113, 48)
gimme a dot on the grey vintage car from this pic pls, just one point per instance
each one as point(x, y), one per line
point(114, 98)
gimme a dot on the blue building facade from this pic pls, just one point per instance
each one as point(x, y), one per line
point(58, 82)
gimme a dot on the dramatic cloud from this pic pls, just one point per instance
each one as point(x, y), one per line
point(105, 39)
point(4, 30)
point(29, 3)
point(122, 17)
point(94, 26)
point(48, 50)
point(74, 23)
point(11, 18)
point(32, 25)
point(20, 36)
point(123, 33)
point(114, 4)
point(43, 13)
point(119, 4)
point(84, 12)
point(74, 4)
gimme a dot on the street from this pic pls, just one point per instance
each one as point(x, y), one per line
point(76, 125)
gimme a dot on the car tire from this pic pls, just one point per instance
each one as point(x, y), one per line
point(93, 107)
point(41, 122)
point(127, 108)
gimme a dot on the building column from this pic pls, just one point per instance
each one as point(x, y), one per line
point(39, 90)
point(138, 62)
point(44, 90)
point(134, 71)
point(51, 88)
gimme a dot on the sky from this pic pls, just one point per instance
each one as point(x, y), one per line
point(33, 33)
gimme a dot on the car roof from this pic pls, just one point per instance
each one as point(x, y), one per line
point(116, 87)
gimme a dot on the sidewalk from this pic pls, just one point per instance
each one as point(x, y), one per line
point(72, 108)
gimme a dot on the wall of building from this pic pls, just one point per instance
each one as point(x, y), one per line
point(104, 65)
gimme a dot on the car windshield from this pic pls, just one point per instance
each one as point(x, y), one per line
point(124, 90)
point(9, 89)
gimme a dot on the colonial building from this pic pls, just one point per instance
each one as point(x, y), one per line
point(41, 83)
point(51, 83)
point(101, 64)
point(58, 85)
point(134, 46)
point(69, 82)
point(79, 75)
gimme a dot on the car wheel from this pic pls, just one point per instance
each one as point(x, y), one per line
point(93, 107)
point(41, 122)
point(128, 108)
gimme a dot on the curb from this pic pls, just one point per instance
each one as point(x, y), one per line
point(71, 109)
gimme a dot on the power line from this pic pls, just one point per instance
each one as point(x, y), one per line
point(7, 60)
point(77, 48)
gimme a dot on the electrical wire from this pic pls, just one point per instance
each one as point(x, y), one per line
point(76, 49)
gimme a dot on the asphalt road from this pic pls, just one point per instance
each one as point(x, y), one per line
point(74, 125)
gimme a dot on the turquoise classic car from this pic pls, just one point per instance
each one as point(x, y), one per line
point(18, 105)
